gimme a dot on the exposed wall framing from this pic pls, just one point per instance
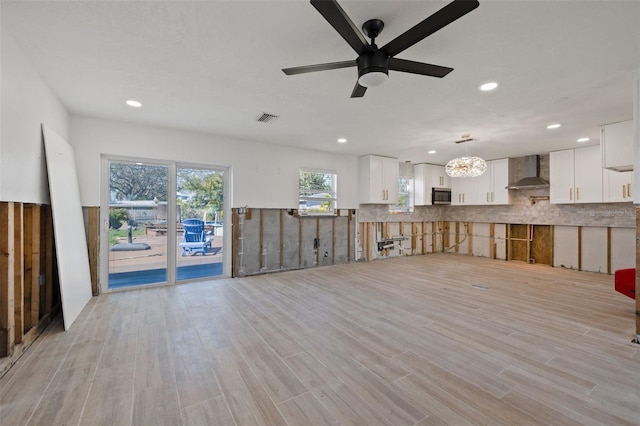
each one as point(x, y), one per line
point(595, 249)
point(29, 292)
point(269, 240)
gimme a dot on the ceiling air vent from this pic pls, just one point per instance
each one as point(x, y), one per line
point(267, 118)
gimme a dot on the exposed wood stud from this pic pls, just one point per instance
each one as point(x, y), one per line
point(261, 241)
point(36, 262)
point(424, 239)
point(49, 256)
point(299, 242)
point(637, 272)
point(349, 219)
point(18, 271)
point(28, 266)
point(457, 238)
point(579, 248)
point(333, 240)
point(414, 237)
point(470, 237)
point(93, 244)
point(281, 245)
point(318, 239)
point(7, 263)
point(371, 238)
point(492, 241)
point(446, 229)
point(235, 232)
point(508, 244)
point(609, 251)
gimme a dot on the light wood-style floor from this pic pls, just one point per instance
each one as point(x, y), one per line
point(436, 339)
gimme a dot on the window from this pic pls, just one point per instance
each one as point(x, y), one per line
point(317, 192)
point(405, 197)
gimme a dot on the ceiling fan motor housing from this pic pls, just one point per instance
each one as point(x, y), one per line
point(376, 61)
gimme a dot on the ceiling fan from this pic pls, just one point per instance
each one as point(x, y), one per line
point(374, 63)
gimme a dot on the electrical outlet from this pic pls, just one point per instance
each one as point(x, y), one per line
point(41, 279)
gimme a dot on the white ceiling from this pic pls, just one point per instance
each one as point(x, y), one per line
point(214, 66)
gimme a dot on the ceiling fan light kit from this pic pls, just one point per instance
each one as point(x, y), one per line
point(374, 63)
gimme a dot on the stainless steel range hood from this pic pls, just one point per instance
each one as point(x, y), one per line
point(532, 179)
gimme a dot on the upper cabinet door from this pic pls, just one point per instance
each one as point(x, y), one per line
point(501, 174)
point(426, 177)
point(616, 186)
point(588, 175)
point(378, 180)
point(438, 177)
point(576, 175)
point(616, 142)
point(561, 166)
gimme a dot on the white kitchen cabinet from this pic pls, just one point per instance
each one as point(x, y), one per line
point(378, 179)
point(616, 142)
point(426, 177)
point(492, 184)
point(561, 182)
point(464, 191)
point(616, 186)
point(576, 176)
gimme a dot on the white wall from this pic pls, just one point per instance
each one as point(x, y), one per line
point(26, 103)
point(264, 176)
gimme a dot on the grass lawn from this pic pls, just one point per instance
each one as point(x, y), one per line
point(119, 234)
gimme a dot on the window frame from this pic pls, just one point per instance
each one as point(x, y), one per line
point(407, 209)
point(333, 191)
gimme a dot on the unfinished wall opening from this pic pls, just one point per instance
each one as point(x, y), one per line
point(531, 243)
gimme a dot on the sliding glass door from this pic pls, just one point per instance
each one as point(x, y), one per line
point(145, 240)
point(200, 213)
point(138, 237)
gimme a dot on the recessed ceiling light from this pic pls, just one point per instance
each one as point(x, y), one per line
point(554, 126)
point(342, 140)
point(133, 103)
point(433, 151)
point(488, 86)
point(583, 140)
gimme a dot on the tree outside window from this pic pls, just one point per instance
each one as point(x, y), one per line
point(317, 192)
point(405, 197)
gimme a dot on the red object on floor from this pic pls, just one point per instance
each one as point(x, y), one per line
point(625, 282)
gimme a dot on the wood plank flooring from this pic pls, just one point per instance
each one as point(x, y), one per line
point(425, 340)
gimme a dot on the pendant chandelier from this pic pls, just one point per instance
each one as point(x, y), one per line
point(463, 167)
point(466, 166)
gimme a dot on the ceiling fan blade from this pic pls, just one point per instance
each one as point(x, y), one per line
point(319, 67)
point(435, 22)
point(421, 68)
point(358, 91)
point(339, 20)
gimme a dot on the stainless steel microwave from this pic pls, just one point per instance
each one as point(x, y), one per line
point(440, 195)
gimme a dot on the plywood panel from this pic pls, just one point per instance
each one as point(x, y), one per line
point(542, 244)
point(71, 242)
point(518, 243)
point(594, 249)
point(565, 246)
point(623, 248)
point(481, 239)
